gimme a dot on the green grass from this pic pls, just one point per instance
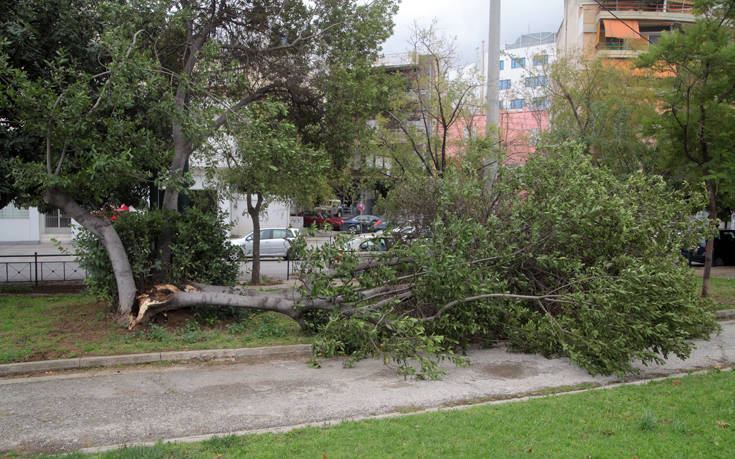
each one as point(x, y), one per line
point(722, 292)
point(689, 417)
point(66, 326)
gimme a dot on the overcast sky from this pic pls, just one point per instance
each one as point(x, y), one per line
point(467, 20)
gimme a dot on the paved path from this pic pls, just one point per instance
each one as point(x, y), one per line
point(112, 407)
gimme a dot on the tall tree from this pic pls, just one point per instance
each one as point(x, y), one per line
point(33, 33)
point(696, 125)
point(91, 138)
point(172, 67)
point(602, 105)
point(268, 162)
point(416, 131)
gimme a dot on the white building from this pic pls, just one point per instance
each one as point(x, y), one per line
point(523, 68)
point(28, 225)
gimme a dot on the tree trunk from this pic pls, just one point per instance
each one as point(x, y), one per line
point(169, 297)
point(254, 212)
point(712, 194)
point(103, 229)
point(182, 151)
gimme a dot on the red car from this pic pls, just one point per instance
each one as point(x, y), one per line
point(315, 218)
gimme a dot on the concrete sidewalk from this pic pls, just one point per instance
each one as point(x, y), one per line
point(142, 404)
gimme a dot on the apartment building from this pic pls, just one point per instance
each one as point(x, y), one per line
point(615, 29)
point(523, 104)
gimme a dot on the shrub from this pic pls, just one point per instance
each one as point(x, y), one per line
point(200, 250)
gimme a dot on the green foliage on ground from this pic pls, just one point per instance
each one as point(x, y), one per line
point(200, 250)
point(594, 261)
point(692, 416)
point(67, 326)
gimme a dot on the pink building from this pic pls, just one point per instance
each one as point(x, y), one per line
point(519, 132)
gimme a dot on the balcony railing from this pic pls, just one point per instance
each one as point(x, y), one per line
point(663, 6)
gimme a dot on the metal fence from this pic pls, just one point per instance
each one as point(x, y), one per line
point(38, 268)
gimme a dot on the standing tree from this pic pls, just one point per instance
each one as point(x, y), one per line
point(602, 105)
point(697, 120)
point(268, 162)
point(165, 71)
point(415, 132)
point(91, 135)
point(33, 33)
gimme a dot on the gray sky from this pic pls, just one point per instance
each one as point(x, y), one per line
point(467, 20)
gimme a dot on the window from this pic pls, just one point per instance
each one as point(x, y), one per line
point(536, 81)
point(502, 65)
point(518, 62)
point(58, 219)
point(540, 59)
point(504, 84)
point(500, 104)
point(279, 234)
point(516, 103)
point(540, 102)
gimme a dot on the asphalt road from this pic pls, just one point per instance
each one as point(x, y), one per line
point(132, 405)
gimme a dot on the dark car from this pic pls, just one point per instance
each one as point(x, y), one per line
point(360, 224)
point(319, 219)
point(724, 250)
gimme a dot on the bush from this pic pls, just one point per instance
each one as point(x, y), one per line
point(200, 251)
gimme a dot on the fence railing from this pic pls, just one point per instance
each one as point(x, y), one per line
point(38, 268)
point(643, 5)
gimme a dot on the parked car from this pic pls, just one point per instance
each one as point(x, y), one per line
point(319, 219)
point(724, 250)
point(364, 243)
point(274, 242)
point(360, 224)
point(333, 208)
point(380, 225)
point(374, 244)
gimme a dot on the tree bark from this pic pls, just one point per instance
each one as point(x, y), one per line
point(168, 297)
point(103, 229)
point(254, 212)
point(710, 247)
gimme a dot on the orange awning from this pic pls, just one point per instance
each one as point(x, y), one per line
point(621, 29)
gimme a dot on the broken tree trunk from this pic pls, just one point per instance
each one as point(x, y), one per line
point(105, 231)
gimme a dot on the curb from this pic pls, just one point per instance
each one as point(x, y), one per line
point(291, 351)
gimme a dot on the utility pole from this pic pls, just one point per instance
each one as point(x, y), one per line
point(493, 83)
point(493, 68)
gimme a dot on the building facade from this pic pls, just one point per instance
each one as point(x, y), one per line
point(523, 103)
point(614, 29)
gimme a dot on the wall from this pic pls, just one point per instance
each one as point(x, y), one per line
point(15, 227)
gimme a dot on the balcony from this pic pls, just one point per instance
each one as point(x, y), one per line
point(655, 6)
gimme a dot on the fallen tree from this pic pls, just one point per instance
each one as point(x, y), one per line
point(570, 260)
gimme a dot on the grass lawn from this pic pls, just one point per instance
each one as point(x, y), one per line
point(722, 292)
point(74, 325)
point(689, 417)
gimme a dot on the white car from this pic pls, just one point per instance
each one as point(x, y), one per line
point(369, 243)
point(274, 242)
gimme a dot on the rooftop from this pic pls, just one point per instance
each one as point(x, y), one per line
point(532, 39)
